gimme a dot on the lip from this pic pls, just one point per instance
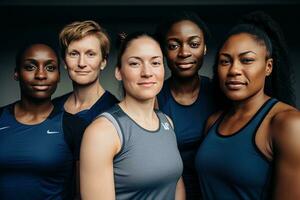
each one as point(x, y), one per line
point(82, 72)
point(185, 65)
point(40, 87)
point(147, 83)
point(235, 84)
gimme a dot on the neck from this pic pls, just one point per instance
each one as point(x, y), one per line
point(138, 109)
point(187, 85)
point(31, 111)
point(34, 106)
point(87, 94)
point(249, 105)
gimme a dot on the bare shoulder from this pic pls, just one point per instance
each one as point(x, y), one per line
point(212, 119)
point(285, 126)
point(101, 132)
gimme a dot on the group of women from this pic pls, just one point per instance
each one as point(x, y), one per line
point(235, 137)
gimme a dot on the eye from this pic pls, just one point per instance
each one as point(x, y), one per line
point(194, 45)
point(73, 54)
point(134, 64)
point(91, 54)
point(30, 67)
point(247, 60)
point(224, 62)
point(50, 68)
point(156, 63)
point(173, 46)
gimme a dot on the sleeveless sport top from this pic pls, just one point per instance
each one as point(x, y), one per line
point(38, 161)
point(106, 101)
point(232, 167)
point(189, 122)
point(148, 165)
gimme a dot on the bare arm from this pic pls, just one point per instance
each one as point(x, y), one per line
point(286, 141)
point(100, 144)
point(180, 190)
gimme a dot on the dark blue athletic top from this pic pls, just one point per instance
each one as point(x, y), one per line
point(37, 162)
point(232, 167)
point(106, 101)
point(189, 122)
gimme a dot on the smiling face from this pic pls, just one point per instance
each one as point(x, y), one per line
point(185, 49)
point(243, 65)
point(84, 60)
point(38, 72)
point(142, 69)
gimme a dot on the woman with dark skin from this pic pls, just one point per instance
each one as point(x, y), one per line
point(39, 144)
point(252, 147)
point(186, 94)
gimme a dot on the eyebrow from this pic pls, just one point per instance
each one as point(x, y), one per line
point(138, 58)
point(241, 54)
point(189, 38)
point(34, 61)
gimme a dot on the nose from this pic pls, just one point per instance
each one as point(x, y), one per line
point(235, 69)
point(184, 51)
point(146, 70)
point(81, 61)
point(41, 73)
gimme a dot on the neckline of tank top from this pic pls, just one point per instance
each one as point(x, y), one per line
point(197, 100)
point(157, 130)
point(11, 108)
point(245, 125)
point(99, 100)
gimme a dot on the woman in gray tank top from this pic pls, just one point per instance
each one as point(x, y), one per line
point(130, 151)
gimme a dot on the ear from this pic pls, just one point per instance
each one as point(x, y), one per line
point(16, 75)
point(205, 49)
point(269, 66)
point(118, 74)
point(103, 64)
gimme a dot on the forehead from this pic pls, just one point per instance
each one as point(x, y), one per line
point(39, 51)
point(143, 46)
point(89, 41)
point(243, 42)
point(185, 28)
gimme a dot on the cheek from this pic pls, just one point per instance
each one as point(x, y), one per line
point(171, 55)
point(222, 72)
point(160, 73)
point(71, 64)
point(54, 77)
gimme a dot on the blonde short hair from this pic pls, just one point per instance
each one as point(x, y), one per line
point(80, 29)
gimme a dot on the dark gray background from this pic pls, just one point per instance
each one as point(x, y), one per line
point(21, 20)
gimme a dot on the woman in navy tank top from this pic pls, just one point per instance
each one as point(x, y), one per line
point(39, 144)
point(252, 146)
point(85, 48)
point(130, 151)
point(186, 94)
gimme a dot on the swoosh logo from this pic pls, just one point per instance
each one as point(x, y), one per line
point(52, 132)
point(4, 127)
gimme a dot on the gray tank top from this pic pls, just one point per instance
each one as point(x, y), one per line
point(148, 165)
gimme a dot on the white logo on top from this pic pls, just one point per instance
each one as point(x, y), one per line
point(166, 125)
point(52, 132)
point(4, 127)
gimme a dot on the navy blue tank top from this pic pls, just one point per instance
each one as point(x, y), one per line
point(232, 167)
point(106, 101)
point(38, 161)
point(189, 122)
